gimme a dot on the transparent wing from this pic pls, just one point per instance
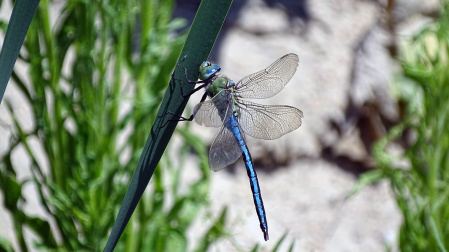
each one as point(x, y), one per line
point(205, 113)
point(211, 112)
point(225, 149)
point(270, 81)
point(268, 122)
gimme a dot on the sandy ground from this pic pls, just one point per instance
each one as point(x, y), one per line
point(344, 64)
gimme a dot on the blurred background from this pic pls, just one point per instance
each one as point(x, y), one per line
point(365, 171)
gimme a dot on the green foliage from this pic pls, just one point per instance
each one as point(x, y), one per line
point(96, 79)
point(421, 189)
point(5, 245)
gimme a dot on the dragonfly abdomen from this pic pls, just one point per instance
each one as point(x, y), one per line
point(254, 182)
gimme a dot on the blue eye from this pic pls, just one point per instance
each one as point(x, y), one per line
point(207, 70)
point(211, 70)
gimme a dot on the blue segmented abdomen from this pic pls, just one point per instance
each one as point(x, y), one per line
point(233, 126)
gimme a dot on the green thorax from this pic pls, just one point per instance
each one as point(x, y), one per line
point(219, 84)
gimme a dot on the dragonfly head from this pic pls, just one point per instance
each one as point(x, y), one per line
point(207, 70)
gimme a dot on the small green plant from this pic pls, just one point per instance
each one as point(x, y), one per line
point(421, 188)
point(96, 79)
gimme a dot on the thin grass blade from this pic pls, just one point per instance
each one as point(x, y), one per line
point(22, 14)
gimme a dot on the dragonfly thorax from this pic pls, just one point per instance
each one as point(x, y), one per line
point(219, 84)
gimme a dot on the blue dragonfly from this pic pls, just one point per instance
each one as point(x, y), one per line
point(238, 117)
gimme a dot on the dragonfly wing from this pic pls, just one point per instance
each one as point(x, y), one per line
point(268, 122)
point(224, 150)
point(210, 113)
point(270, 81)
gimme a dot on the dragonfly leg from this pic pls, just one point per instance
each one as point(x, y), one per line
point(193, 91)
point(179, 117)
point(187, 78)
point(184, 95)
point(203, 82)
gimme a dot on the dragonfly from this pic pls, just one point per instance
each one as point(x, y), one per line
point(236, 117)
